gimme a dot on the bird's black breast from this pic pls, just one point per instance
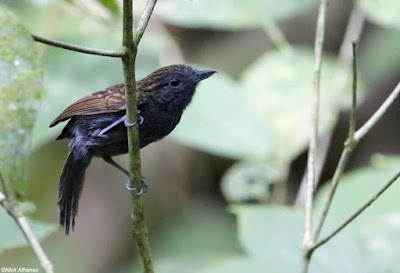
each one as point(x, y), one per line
point(157, 123)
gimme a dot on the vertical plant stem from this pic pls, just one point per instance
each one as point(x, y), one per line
point(352, 126)
point(139, 232)
point(312, 152)
point(352, 33)
point(319, 39)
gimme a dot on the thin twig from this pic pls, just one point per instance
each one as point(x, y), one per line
point(277, 36)
point(357, 212)
point(15, 212)
point(312, 152)
point(107, 53)
point(140, 231)
point(349, 146)
point(377, 115)
point(352, 119)
point(353, 32)
point(144, 20)
point(319, 40)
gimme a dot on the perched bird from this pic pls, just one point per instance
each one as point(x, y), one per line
point(97, 126)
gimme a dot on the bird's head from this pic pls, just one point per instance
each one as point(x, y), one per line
point(173, 85)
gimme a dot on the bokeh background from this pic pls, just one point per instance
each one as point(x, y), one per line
point(224, 186)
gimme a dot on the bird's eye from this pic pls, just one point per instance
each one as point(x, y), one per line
point(174, 82)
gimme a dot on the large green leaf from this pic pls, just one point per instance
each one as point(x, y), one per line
point(221, 120)
point(229, 14)
point(382, 12)
point(272, 236)
point(280, 88)
point(20, 92)
point(376, 231)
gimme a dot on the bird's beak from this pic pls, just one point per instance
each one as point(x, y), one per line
point(202, 75)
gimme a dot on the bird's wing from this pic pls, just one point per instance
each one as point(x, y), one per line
point(111, 99)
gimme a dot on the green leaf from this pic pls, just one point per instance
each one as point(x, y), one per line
point(222, 121)
point(377, 230)
point(382, 12)
point(11, 236)
point(240, 264)
point(272, 235)
point(20, 93)
point(111, 5)
point(280, 89)
point(250, 180)
point(229, 14)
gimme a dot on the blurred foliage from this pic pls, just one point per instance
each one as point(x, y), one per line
point(271, 236)
point(229, 14)
point(221, 106)
point(11, 236)
point(20, 91)
point(382, 12)
point(260, 119)
point(285, 94)
point(249, 181)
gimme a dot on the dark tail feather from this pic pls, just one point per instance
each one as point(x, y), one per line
point(70, 185)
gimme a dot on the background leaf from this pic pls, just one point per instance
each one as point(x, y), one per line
point(382, 12)
point(11, 236)
point(221, 120)
point(280, 86)
point(20, 92)
point(229, 14)
point(111, 5)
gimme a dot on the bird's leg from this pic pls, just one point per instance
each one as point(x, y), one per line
point(143, 187)
point(111, 161)
point(118, 121)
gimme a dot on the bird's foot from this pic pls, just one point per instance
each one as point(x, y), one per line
point(142, 189)
point(141, 120)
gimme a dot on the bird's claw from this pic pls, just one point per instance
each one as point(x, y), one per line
point(142, 189)
point(127, 124)
point(141, 120)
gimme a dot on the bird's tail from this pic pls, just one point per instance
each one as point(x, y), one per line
point(70, 185)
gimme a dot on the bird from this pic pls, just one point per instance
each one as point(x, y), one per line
point(97, 127)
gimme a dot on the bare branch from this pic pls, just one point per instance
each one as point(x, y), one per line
point(319, 39)
point(14, 211)
point(349, 146)
point(144, 20)
point(377, 115)
point(107, 53)
point(352, 125)
point(352, 33)
point(357, 213)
